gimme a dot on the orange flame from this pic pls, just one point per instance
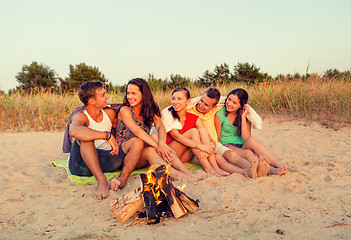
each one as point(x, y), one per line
point(156, 186)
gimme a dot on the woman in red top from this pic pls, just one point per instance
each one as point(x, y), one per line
point(193, 134)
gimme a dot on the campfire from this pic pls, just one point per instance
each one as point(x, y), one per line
point(157, 197)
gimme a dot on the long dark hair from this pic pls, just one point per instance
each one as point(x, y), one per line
point(149, 107)
point(187, 94)
point(243, 98)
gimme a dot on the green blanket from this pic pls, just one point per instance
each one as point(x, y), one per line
point(91, 180)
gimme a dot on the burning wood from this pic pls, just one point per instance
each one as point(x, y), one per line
point(157, 196)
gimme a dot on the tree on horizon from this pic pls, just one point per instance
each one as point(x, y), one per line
point(81, 73)
point(35, 76)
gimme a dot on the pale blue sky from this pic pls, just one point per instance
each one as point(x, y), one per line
point(127, 39)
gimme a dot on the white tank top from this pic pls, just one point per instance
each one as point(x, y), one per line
point(104, 125)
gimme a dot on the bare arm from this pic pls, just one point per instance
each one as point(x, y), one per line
point(163, 149)
point(79, 129)
point(218, 126)
point(162, 135)
point(184, 140)
point(245, 124)
point(205, 136)
point(187, 141)
point(126, 116)
point(111, 115)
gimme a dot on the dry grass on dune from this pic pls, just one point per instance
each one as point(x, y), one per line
point(324, 101)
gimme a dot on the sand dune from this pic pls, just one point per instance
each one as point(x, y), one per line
point(311, 201)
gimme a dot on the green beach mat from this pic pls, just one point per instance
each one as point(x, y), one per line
point(91, 180)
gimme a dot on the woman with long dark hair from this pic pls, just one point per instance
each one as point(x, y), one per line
point(234, 131)
point(191, 133)
point(135, 119)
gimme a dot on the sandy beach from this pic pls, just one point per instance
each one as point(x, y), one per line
point(311, 201)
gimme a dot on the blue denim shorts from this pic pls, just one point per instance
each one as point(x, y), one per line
point(108, 162)
point(234, 145)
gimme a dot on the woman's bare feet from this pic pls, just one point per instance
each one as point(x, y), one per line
point(192, 178)
point(263, 166)
point(102, 191)
point(277, 171)
point(252, 170)
point(213, 172)
point(222, 172)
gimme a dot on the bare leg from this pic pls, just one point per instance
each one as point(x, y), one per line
point(178, 165)
point(208, 163)
point(187, 156)
point(152, 157)
point(134, 146)
point(243, 153)
point(235, 159)
point(180, 149)
point(207, 166)
point(204, 137)
point(213, 161)
point(176, 162)
point(249, 155)
point(261, 150)
point(233, 162)
point(246, 169)
point(90, 157)
point(228, 167)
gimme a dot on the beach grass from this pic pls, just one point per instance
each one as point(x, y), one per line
point(327, 101)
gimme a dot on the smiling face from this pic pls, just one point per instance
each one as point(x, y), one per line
point(179, 101)
point(205, 104)
point(100, 98)
point(232, 103)
point(134, 96)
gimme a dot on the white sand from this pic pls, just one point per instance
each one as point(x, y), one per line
point(311, 201)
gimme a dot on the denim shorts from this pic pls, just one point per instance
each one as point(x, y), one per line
point(234, 145)
point(108, 162)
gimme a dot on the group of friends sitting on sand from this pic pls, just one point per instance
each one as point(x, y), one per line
point(214, 129)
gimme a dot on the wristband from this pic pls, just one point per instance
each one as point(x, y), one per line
point(108, 135)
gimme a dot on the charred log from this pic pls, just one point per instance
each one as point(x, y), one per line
point(156, 198)
point(190, 204)
point(167, 188)
point(149, 201)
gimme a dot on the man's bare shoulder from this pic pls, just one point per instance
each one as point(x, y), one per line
point(78, 115)
point(79, 119)
point(110, 111)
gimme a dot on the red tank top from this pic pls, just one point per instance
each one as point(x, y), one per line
point(190, 123)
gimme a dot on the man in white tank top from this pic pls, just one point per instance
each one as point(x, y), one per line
point(95, 149)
